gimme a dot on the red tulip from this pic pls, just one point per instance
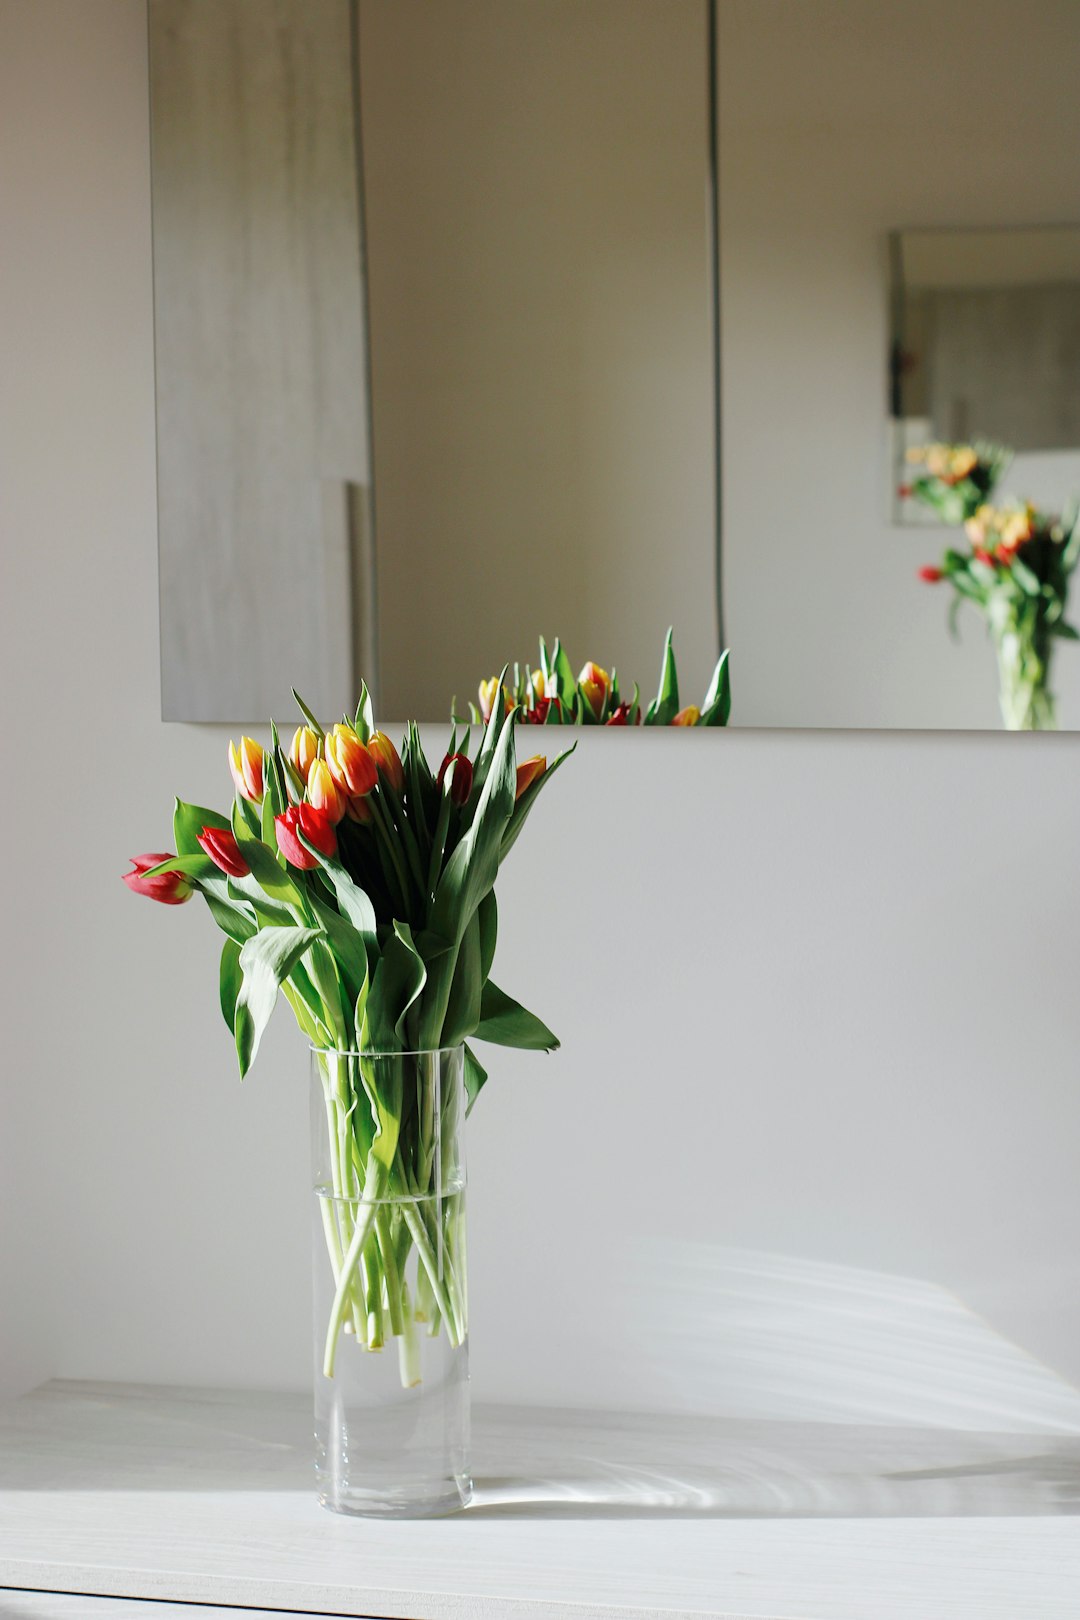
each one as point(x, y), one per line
point(457, 771)
point(619, 716)
point(316, 827)
point(223, 850)
point(171, 888)
point(527, 773)
point(931, 574)
point(537, 715)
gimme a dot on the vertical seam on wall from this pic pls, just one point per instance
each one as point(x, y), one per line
point(712, 56)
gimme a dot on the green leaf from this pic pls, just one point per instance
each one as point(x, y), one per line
point(396, 985)
point(267, 871)
point(1067, 632)
point(487, 916)
point(666, 705)
point(565, 680)
point(365, 714)
point(473, 867)
point(189, 821)
point(505, 1022)
point(233, 920)
point(193, 865)
point(716, 709)
point(308, 716)
point(463, 1006)
point(1024, 577)
point(348, 947)
point(265, 960)
point(475, 1076)
point(230, 978)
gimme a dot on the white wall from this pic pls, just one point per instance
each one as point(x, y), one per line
point(817, 992)
point(840, 122)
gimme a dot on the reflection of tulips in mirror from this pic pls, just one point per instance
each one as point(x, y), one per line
point(1015, 571)
point(551, 695)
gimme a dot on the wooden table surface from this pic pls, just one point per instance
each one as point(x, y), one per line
point(207, 1497)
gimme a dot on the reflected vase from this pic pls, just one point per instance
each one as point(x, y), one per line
point(1023, 657)
point(390, 1283)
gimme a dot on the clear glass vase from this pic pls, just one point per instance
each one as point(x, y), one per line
point(391, 1317)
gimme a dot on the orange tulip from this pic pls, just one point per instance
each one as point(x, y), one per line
point(688, 716)
point(387, 760)
point(350, 763)
point(324, 793)
point(528, 772)
point(304, 750)
point(246, 765)
point(595, 684)
point(359, 810)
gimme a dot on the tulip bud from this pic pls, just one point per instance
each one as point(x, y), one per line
point(528, 772)
point(323, 792)
point(688, 716)
point(536, 685)
point(488, 692)
point(455, 777)
point(304, 750)
point(350, 763)
point(930, 574)
point(619, 716)
point(171, 888)
point(316, 827)
point(387, 760)
point(246, 766)
point(595, 684)
point(224, 851)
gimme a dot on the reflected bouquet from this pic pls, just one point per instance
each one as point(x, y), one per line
point(550, 695)
point(360, 883)
point(1015, 569)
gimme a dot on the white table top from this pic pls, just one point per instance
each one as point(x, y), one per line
point(207, 1497)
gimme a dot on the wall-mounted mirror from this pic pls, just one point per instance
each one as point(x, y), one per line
point(536, 235)
point(462, 255)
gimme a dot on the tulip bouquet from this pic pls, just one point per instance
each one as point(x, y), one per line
point(360, 883)
point(1015, 570)
point(955, 479)
point(549, 695)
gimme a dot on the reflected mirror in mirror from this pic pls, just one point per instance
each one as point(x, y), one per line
point(986, 349)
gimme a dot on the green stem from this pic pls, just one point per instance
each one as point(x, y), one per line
point(374, 1187)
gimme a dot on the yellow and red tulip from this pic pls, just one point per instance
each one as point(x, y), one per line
point(170, 888)
point(304, 750)
point(387, 760)
point(350, 762)
point(323, 792)
point(456, 777)
point(688, 716)
point(316, 827)
point(529, 771)
point(246, 765)
point(224, 851)
point(595, 684)
point(488, 692)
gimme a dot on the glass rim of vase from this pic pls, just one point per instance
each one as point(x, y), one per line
point(370, 1052)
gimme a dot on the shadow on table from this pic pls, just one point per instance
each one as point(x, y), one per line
point(787, 1388)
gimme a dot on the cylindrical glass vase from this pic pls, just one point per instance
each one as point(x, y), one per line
point(391, 1315)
